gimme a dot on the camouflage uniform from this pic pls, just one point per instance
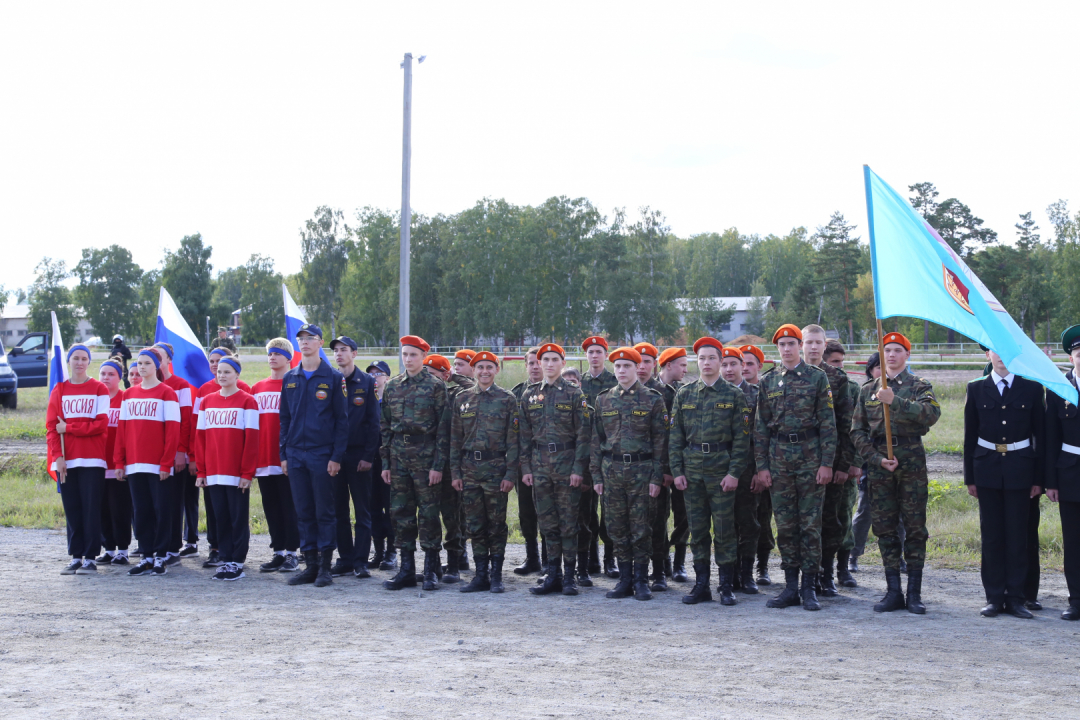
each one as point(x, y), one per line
point(415, 428)
point(660, 506)
point(483, 454)
point(226, 342)
point(716, 416)
point(795, 435)
point(747, 524)
point(591, 527)
point(450, 505)
point(526, 503)
point(680, 532)
point(556, 417)
point(835, 522)
point(627, 455)
point(903, 493)
point(851, 496)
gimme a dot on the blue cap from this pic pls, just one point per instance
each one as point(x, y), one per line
point(310, 329)
point(346, 341)
point(379, 366)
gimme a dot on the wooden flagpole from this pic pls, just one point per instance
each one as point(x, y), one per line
point(884, 385)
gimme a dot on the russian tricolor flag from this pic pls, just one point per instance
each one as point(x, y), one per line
point(58, 373)
point(189, 360)
point(294, 319)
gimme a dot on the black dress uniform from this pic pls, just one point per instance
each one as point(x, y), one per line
point(1062, 473)
point(1003, 427)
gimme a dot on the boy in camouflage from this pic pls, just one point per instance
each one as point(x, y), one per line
point(747, 525)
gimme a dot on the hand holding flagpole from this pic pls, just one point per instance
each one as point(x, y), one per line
point(884, 386)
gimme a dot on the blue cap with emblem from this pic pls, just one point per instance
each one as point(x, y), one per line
point(310, 329)
point(343, 340)
point(378, 366)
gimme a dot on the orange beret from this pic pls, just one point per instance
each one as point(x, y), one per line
point(732, 352)
point(551, 347)
point(895, 337)
point(625, 353)
point(645, 348)
point(466, 355)
point(481, 357)
point(594, 340)
point(671, 354)
point(787, 330)
point(416, 342)
point(710, 342)
point(438, 362)
point(755, 351)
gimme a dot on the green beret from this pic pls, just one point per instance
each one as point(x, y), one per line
point(1070, 339)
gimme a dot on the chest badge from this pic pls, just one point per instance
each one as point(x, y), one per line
point(320, 394)
point(780, 384)
point(357, 401)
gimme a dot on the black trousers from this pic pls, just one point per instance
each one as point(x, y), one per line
point(382, 524)
point(1070, 535)
point(350, 482)
point(80, 494)
point(1031, 582)
point(234, 533)
point(1003, 521)
point(115, 514)
point(530, 526)
point(680, 533)
point(152, 501)
point(179, 482)
point(211, 519)
point(279, 511)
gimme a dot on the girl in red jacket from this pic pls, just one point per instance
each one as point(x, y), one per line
point(116, 499)
point(185, 500)
point(226, 451)
point(146, 441)
point(75, 425)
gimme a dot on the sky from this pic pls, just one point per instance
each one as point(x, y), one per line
point(140, 123)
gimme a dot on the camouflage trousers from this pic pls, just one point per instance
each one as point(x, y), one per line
point(453, 515)
point(485, 512)
point(710, 507)
point(558, 511)
point(766, 542)
point(836, 516)
point(410, 496)
point(747, 525)
point(627, 508)
point(896, 496)
point(797, 500)
point(661, 509)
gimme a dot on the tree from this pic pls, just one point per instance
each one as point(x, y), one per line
point(262, 311)
point(186, 274)
point(146, 307)
point(1066, 259)
point(47, 295)
point(756, 309)
point(370, 285)
point(3, 298)
point(836, 265)
point(324, 256)
point(108, 290)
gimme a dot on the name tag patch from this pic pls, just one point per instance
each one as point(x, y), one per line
point(563, 406)
point(609, 413)
point(689, 407)
point(641, 413)
point(471, 414)
point(776, 394)
point(290, 386)
point(724, 406)
point(536, 406)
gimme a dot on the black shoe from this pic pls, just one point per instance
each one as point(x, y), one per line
point(360, 572)
point(625, 587)
point(105, 559)
point(725, 578)
point(292, 564)
point(311, 569)
point(789, 596)
point(1071, 613)
point(222, 572)
point(496, 574)
point(1016, 609)
point(658, 580)
point(72, 566)
point(843, 569)
point(610, 567)
point(143, 568)
point(807, 593)
point(480, 580)
point(903, 566)
point(189, 551)
point(213, 560)
point(87, 568)
point(678, 566)
point(340, 568)
point(746, 572)
point(763, 578)
point(119, 560)
point(569, 582)
point(431, 576)
point(324, 578)
point(1034, 605)
point(894, 596)
point(452, 571)
point(532, 560)
point(991, 610)
point(390, 561)
point(274, 565)
point(583, 577)
point(700, 592)
point(853, 564)
point(160, 567)
point(552, 581)
point(406, 575)
point(667, 565)
point(172, 559)
point(914, 592)
point(235, 571)
point(594, 557)
point(377, 557)
point(641, 580)
point(825, 579)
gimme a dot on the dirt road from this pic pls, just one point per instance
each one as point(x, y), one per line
point(184, 646)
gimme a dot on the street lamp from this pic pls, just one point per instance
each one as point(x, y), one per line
point(406, 210)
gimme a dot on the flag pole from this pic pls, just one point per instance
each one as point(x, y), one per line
point(884, 386)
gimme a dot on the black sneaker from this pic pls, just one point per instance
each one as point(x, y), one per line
point(213, 560)
point(221, 573)
point(172, 559)
point(291, 564)
point(143, 568)
point(105, 559)
point(119, 560)
point(274, 565)
point(189, 551)
point(72, 567)
point(236, 572)
point(341, 568)
point(87, 568)
point(159, 566)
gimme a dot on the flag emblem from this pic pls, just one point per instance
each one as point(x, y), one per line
point(957, 289)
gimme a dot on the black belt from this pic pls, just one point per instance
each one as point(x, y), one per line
point(405, 437)
point(628, 457)
point(707, 448)
point(898, 439)
point(796, 437)
point(555, 447)
point(482, 455)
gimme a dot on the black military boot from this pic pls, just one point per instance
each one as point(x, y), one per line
point(532, 560)
point(480, 580)
point(552, 581)
point(452, 571)
point(543, 552)
point(389, 561)
point(641, 580)
point(496, 574)
point(736, 578)
point(569, 582)
point(700, 592)
point(809, 596)
point(894, 596)
point(789, 596)
point(380, 553)
point(431, 570)
point(583, 577)
point(914, 591)
point(667, 565)
point(725, 576)
point(746, 574)
point(610, 569)
point(828, 588)
point(763, 578)
point(406, 574)
point(625, 587)
point(360, 570)
point(659, 582)
point(594, 557)
point(311, 569)
point(843, 574)
point(463, 558)
point(341, 567)
point(678, 567)
point(324, 578)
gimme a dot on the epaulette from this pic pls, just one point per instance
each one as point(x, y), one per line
point(978, 379)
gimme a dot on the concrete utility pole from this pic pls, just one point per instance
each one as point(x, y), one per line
point(406, 210)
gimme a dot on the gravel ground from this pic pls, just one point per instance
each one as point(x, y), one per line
point(183, 646)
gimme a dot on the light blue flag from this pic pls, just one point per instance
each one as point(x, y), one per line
point(916, 274)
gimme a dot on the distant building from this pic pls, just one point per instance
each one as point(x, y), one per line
point(736, 326)
point(15, 324)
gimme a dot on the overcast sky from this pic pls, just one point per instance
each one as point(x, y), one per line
point(139, 123)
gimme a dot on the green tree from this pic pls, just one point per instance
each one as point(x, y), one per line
point(3, 298)
point(778, 261)
point(186, 274)
point(370, 285)
point(756, 309)
point(108, 290)
point(147, 306)
point(1066, 260)
point(324, 256)
point(836, 265)
point(262, 311)
point(49, 294)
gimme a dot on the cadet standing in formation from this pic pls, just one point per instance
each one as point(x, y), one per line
point(747, 526)
point(845, 508)
point(597, 379)
point(661, 504)
point(1062, 470)
point(753, 361)
point(673, 364)
point(526, 505)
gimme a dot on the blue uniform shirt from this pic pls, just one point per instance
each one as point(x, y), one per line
point(363, 408)
point(313, 413)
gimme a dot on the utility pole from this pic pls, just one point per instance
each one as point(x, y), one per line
point(406, 210)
